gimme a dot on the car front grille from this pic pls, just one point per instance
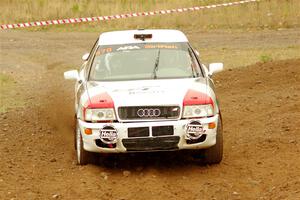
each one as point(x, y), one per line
point(149, 112)
point(151, 143)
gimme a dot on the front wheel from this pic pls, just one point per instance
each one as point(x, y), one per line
point(214, 154)
point(82, 155)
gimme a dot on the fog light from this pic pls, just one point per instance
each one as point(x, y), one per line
point(212, 125)
point(194, 130)
point(108, 135)
point(88, 131)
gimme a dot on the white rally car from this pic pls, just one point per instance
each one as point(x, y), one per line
point(146, 90)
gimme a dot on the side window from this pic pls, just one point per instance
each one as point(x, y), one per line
point(92, 53)
point(200, 67)
point(195, 63)
point(90, 59)
point(205, 69)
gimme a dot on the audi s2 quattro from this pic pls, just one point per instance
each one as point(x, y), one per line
point(144, 91)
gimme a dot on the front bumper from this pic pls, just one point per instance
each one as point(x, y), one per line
point(154, 143)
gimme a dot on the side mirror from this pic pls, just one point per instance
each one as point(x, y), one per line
point(214, 68)
point(85, 56)
point(71, 75)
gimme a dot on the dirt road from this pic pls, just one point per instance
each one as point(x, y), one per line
point(261, 126)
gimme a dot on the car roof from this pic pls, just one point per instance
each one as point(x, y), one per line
point(127, 37)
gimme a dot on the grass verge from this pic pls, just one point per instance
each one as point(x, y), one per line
point(267, 14)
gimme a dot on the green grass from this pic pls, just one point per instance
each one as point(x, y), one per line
point(265, 58)
point(268, 14)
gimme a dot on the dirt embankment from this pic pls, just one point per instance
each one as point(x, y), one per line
point(260, 106)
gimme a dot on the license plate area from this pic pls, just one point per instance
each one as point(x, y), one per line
point(138, 132)
point(162, 130)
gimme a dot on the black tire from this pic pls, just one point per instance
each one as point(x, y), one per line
point(214, 154)
point(75, 128)
point(82, 156)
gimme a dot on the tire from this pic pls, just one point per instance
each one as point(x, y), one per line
point(75, 129)
point(83, 157)
point(214, 154)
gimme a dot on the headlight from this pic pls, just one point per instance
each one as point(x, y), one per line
point(198, 111)
point(103, 114)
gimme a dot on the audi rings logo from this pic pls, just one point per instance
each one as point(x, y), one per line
point(149, 112)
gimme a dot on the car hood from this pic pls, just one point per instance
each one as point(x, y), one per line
point(146, 92)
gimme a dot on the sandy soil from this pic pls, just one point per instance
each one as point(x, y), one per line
point(260, 105)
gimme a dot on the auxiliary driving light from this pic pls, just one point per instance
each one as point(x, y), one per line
point(194, 130)
point(108, 134)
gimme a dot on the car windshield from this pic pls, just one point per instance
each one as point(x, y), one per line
point(144, 61)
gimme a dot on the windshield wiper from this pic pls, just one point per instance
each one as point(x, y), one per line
point(156, 65)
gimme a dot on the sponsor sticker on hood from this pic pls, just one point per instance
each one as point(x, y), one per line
point(142, 90)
